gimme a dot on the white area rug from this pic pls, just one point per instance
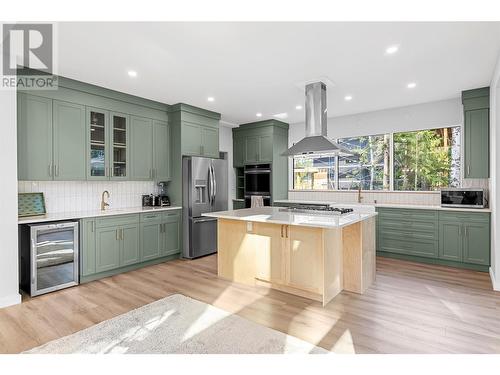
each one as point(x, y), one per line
point(178, 324)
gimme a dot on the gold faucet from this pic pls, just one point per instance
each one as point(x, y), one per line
point(103, 203)
point(359, 194)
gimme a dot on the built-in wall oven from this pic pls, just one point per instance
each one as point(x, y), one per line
point(258, 182)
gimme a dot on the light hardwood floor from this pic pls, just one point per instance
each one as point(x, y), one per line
point(411, 308)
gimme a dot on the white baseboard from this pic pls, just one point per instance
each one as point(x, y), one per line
point(13, 299)
point(494, 281)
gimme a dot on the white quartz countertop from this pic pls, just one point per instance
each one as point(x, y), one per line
point(276, 215)
point(94, 213)
point(388, 205)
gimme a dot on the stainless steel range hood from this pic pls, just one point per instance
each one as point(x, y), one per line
point(315, 141)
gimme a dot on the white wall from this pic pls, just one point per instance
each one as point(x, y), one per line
point(226, 145)
point(415, 117)
point(495, 175)
point(9, 284)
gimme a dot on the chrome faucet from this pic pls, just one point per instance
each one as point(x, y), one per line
point(103, 203)
point(360, 198)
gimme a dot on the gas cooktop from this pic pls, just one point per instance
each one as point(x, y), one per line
point(318, 209)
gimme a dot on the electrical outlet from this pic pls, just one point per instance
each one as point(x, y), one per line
point(249, 226)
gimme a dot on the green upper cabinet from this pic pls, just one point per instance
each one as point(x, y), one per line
point(239, 152)
point(34, 138)
point(119, 146)
point(264, 142)
point(209, 142)
point(161, 131)
point(69, 141)
point(142, 148)
point(98, 144)
point(476, 133)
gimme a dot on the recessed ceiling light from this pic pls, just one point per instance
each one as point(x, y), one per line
point(258, 114)
point(281, 115)
point(298, 107)
point(391, 50)
point(411, 85)
point(348, 97)
point(210, 98)
point(132, 73)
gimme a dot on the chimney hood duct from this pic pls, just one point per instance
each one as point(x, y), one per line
point(315, 141)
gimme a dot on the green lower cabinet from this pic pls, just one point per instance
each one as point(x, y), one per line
point(130, 247)
point(88, 247)
point(477, 243)
point(171, 234)
point(107, 249)
point(454, 238)
point(151, 238)
point(450, 240)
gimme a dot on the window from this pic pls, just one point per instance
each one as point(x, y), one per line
point(421, 160)
point(368, 167)
point(427, 159)
point(314, 173)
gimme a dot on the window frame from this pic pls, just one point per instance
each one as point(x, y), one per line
point(391, 162)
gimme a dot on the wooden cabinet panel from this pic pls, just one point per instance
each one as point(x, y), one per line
point(107, 249)
point(34, 138)
point(270, 252)
point(305, 258)
point(141, 148)
point(69, 141)
point(161, 151)
point(477, 243)
point(130, 250)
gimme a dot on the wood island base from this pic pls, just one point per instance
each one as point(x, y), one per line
point(315, 263)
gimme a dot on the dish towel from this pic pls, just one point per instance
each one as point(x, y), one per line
point(257, 201)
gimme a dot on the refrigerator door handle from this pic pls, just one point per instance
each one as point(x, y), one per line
point(209, 185)
point(212, 186)
point(215, 182)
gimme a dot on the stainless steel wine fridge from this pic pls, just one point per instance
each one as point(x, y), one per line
point(48, 256)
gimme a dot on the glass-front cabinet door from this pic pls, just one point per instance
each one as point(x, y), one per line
point(119, 144)
point(97, 162)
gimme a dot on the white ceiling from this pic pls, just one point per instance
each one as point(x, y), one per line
point(255, 67)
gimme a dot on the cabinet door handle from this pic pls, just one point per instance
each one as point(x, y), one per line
point(465, 228)
point(117, 236)
point(282, 231)
point(50, 170)
point(468, 169)
point(460, 230)
point(93, 226)
point(57, 170)
point(286, 228)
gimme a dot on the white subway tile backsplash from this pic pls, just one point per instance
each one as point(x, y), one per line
point(389, 197)
point(64, 196)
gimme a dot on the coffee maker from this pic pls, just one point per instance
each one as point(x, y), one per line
point(164, 200)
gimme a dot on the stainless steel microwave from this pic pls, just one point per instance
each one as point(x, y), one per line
point(463, 197)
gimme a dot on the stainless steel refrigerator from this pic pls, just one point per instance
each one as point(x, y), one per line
point(204, 189)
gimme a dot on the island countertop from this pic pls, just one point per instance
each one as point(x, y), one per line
point(276, 215)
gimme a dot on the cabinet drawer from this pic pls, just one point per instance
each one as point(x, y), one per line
point(408, 225)
point(407, 214)
point(421, 248)
point(116, 220)
point(151, 217)
point(408, 235)
point(171, 215)
point(477, 217)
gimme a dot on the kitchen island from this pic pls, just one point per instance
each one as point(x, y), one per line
point(310, 255)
